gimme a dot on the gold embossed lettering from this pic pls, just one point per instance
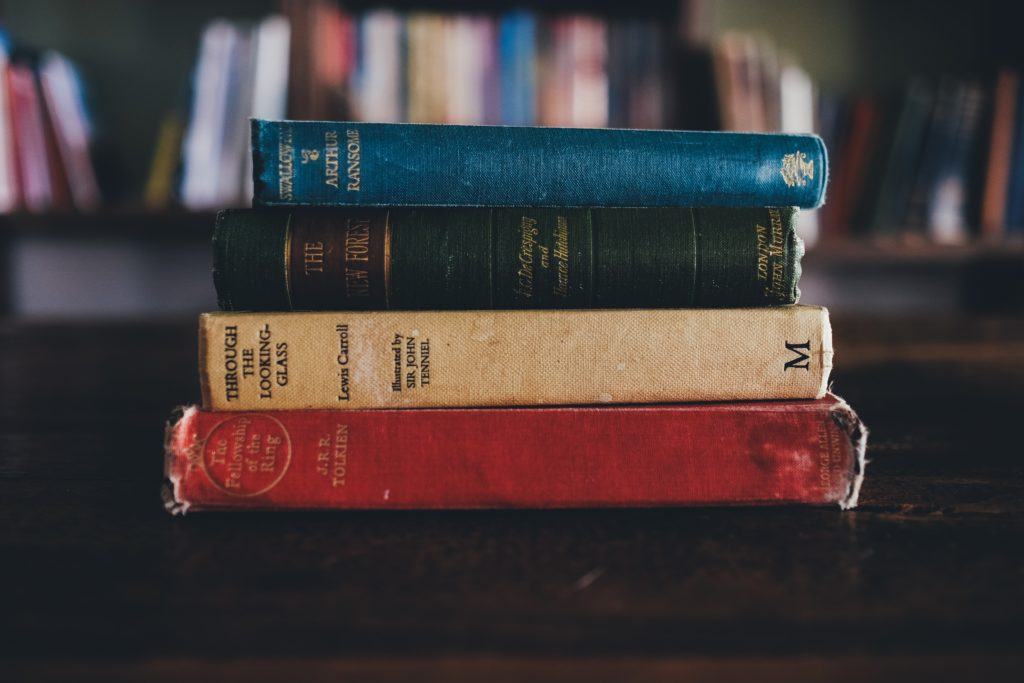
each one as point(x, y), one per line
point(312, 257)
point(353, 156)
point(331, 158)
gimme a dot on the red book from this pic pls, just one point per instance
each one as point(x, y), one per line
point(852, 171)
point(1000, 155)
point(627, 456)
point(29, 138)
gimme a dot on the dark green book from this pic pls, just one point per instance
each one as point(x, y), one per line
point(479, 258)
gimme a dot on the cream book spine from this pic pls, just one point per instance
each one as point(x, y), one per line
point(421, 359)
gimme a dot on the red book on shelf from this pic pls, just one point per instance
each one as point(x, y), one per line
point(1000, 155)
point(10, 184)
point(29, 138)
point(852, 169)
point(660, 455)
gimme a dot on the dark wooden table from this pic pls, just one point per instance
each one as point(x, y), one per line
point(925, 579)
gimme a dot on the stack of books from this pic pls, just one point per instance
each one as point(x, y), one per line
point(443, 316)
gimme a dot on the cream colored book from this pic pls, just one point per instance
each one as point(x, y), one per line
point(420, 359)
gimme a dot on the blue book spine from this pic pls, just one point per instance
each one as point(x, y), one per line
point(510, 112)
point(516, 57)
point(1015, 195)
point(526, 67)
point(323, 163)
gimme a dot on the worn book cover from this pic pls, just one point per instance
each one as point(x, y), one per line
point(359, 258)
point(348, 163)
point(719, 454)
point(416, 359)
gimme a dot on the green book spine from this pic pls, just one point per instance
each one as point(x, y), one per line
point(505, 258)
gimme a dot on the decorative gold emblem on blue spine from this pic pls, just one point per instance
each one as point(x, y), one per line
point(796, 169)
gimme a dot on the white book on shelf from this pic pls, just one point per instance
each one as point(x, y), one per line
point(203, 142)
point(468, 62)
point(272, 38)
point(235, 141)
point(270, 95)
point(379, 79)
point(427, 77)
point(63, 95)
point(948, 200)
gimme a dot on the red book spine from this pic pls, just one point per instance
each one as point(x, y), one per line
point(30, 139)
point(738, 453)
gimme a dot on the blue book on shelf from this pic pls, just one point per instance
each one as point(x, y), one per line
point(324, 163)
point(1015, 193)
point(516, 54)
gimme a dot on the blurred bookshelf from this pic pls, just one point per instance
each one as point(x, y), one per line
point(855, 253)
point(653, 63)
point(145, 225)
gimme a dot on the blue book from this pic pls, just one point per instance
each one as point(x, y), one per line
point(517, 52)
point(324, 163)
point(1015, 195)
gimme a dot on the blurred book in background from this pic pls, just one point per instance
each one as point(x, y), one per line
point(1000, 154)
point(241, 73)
point(33, 171)
point(929, 164)
point(45, 134)
point(512, 68)
point(9, 186)
point(380, 69)
point(939, 159)
point(72, 135)
point(517, 68)
point(163, 170)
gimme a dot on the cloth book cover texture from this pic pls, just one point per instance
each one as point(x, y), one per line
point(322, 163)
point(476, 258)
point(743, 453)
point(415, 359)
